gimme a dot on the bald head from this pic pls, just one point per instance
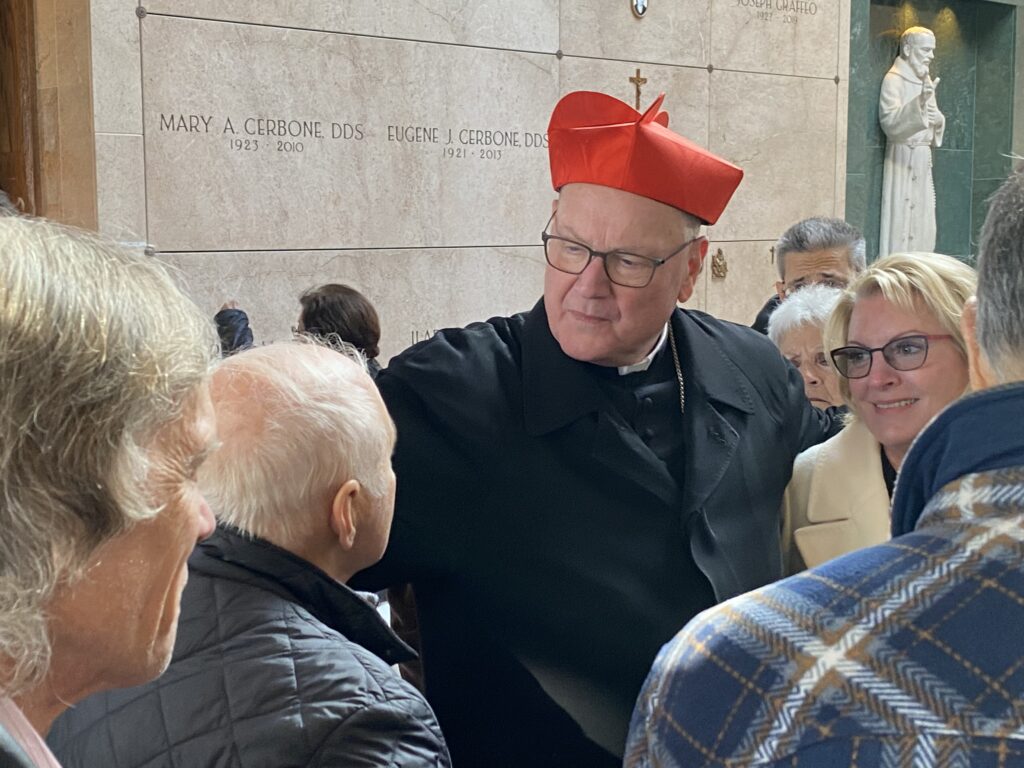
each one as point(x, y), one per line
point(296, 422)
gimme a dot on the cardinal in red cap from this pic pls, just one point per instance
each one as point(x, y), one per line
point(576, 481)
point(636, 175)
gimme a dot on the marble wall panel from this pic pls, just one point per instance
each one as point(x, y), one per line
point(670, 32)
point(749, 283)
point(782, 131)
point(526, 25)
point(116, 67)
point(790, 37)
point(685, 88)
point(379, 171)
point(415, 292)
point(121, 186)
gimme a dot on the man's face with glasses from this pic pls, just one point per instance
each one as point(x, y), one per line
point(617, 264)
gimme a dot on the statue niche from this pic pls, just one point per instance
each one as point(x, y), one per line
point(913, 124)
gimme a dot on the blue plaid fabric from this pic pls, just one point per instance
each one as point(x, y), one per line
point(910, 653)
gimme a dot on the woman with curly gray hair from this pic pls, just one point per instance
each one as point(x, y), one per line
point(104, 420)
point(796, 329)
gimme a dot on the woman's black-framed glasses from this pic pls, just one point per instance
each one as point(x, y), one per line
point(907, 353)
point(626, 269)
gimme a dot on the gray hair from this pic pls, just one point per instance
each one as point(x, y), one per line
point(819, 234)
point(295, 423)
point(1000, 326)
point(811, 305)
point(98, 351)
point(691, 224)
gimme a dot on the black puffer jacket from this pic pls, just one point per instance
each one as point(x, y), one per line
point(276, 664)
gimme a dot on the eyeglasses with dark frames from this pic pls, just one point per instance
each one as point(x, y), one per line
point(907, 353)
point(626, 269)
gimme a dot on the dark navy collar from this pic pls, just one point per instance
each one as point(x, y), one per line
point(979, 433)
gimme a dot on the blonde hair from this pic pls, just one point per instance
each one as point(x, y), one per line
point(914, 282)
point(98, 350)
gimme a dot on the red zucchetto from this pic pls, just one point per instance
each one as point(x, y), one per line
point(594, 138)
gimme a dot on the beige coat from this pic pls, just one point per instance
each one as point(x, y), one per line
point(836, 501)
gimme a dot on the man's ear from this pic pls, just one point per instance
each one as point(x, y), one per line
point(554, 206)
point(780, 289)
point(694, 266)
point(343, 521)
point(981, 376)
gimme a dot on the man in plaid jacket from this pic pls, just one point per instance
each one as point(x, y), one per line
point(905, 654)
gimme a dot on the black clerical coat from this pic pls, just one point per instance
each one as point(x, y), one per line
point(551, 551)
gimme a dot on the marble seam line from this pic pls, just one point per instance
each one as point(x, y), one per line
point(145, 157)
point(564, 55)
point(344, 34)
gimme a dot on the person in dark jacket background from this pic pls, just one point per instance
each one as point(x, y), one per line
point(336, 312)
point(233, 329)
point(277, 662)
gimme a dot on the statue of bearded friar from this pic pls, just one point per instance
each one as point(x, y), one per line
point(913, 124)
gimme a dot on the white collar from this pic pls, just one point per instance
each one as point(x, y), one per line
point(644, 364)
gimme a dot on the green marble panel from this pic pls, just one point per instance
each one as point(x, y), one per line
point(864, 201)
point(993, 128)
point(857, 200)
point(873, 222)
point(862, 125)
point(983, 190)
point(952, 175)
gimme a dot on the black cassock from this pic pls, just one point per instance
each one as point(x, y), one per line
point(560, 525)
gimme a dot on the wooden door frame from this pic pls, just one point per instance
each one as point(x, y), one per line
point(20, 167)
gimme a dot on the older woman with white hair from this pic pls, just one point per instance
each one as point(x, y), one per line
point(796, 329)
point(104, 419)
point(895, 339)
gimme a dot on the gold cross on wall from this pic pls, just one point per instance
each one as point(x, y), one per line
point(638, 81)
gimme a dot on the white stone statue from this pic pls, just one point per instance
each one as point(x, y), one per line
point(913, 124)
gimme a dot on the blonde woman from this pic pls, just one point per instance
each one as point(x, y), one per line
point(895, 340)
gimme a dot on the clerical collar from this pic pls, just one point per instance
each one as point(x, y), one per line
point(644, 364)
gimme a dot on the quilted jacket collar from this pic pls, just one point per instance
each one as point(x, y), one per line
point(229, 554)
